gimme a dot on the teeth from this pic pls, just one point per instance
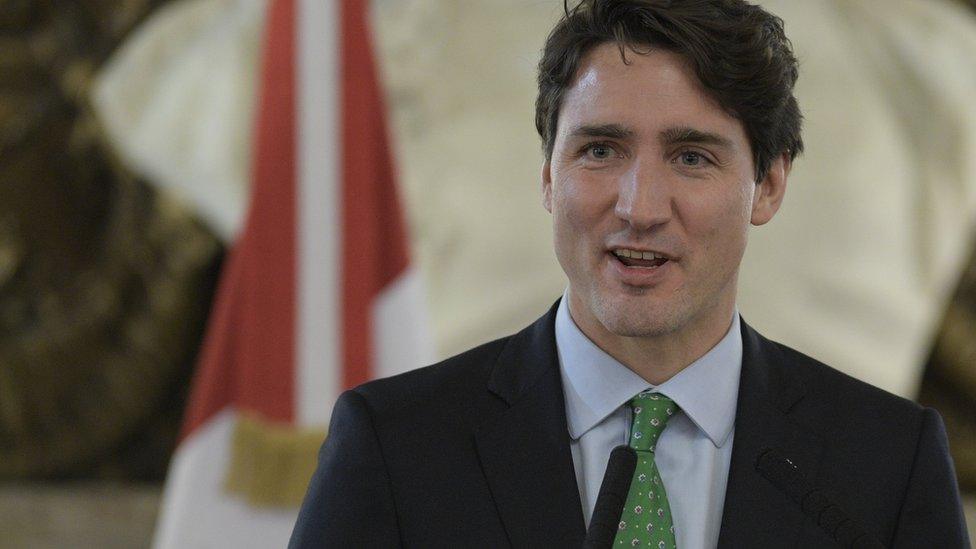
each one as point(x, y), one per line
point(637, 255)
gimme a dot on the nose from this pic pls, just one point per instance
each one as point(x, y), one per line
point(644, 197)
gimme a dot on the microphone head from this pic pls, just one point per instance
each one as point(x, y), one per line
point(613, 496)
point(814, 502)
point(779, 470)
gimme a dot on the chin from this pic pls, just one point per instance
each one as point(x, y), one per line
point(632, 316)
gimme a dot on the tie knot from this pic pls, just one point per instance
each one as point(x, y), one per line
point(651, 414)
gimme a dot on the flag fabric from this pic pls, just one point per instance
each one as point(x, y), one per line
point(317, 295)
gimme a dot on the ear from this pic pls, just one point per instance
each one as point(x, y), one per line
point(547, 187)
point(770, 191)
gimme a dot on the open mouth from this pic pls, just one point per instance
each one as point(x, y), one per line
point(639, 259)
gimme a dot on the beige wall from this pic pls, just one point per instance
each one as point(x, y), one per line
point(856, 268)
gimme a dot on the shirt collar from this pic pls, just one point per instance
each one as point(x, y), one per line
point(595, 384)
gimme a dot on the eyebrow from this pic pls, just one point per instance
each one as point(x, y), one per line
point(677, 136)
point(612, 131)
point(670, 136)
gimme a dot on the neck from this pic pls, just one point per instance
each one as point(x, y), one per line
point(659, 357)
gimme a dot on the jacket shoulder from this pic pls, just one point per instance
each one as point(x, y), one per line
point(833, 388)
point(855, 419)
point(885, 456)
point(464, 375)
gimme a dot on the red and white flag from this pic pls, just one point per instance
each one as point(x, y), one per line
point(317, 295)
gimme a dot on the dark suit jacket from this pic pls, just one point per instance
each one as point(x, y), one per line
point(474, 452)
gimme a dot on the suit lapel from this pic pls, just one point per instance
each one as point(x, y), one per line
point(524, 448)
point(757, 514)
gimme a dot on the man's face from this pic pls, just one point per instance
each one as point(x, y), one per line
point(646, 165)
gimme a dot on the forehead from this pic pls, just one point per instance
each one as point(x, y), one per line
point(649, 94)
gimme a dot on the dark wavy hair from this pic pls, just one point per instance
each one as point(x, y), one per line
point(738, 51)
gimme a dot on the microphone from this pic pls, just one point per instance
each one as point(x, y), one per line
point(613, 495)
point(783, 474)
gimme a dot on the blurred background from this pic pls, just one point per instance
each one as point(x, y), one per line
point(125, 150)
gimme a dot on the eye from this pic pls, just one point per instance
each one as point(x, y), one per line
point(599, 151)
point(692, 159)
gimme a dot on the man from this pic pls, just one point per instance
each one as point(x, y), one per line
point(669, 128)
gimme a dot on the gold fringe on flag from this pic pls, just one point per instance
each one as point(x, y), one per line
point(271, 463)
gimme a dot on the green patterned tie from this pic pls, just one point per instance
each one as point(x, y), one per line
point(646, 519)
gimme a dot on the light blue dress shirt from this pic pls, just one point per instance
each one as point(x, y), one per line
point(695, 449)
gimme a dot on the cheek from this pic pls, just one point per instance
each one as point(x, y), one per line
point(576, 207)
point(722, 222)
